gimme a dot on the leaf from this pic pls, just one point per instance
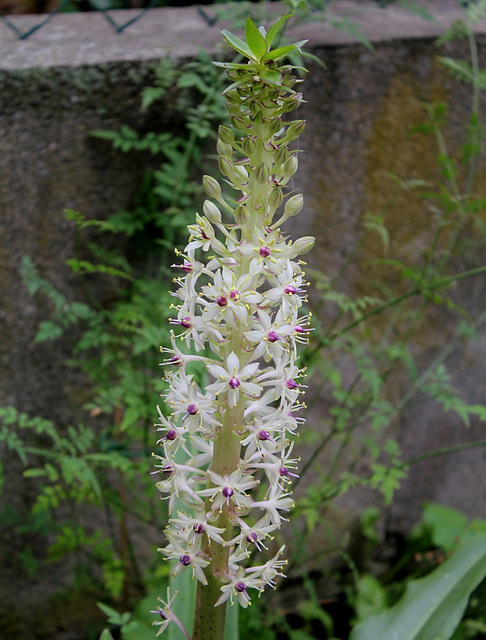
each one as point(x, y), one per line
point(255, 40)
point(433, 606)
point(275, 28)
point(106, 635)
point(238, 44)
point(278, 54)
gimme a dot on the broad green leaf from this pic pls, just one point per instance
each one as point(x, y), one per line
point(433, 606)
point(238, 44)
point(231, 624)
point(254, 39)
point(106, 635)
point(275, 28)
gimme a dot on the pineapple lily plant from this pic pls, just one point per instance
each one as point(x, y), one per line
point(226, 461)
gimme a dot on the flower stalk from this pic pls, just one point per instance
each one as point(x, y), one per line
point(238, 314)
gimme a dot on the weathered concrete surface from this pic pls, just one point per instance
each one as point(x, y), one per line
point(76, 75)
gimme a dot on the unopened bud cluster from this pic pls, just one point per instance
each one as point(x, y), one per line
point(240, 290)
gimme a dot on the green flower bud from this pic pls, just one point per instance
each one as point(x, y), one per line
point(240, 123)
point(241, 215)
point(281, 155)
point(293, 206)
point(226, 166)
point(275, 198)
point(211, 187)
point(262, 174)
point(303, 245)
point(224, 149)
point(225, 134)
point(249, 146)
point(291, 166)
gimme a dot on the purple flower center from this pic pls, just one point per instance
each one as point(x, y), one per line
point(263, 435)
point(187, 267)
point(284, 471)
point(240, 586)
point(222, 301)
point(291, 384)
point(185, 559)
point(290, 289)
point(176, 360)
point(171, 434)
point(299, 329)
point(234, 294)
point(252, 537)
point(227, 492)
point(198, 527)
point(264, 251)
point(234, 383)
point(272, 336)
point(167, 469)
point(186, 322)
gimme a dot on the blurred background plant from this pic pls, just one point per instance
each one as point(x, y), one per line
point(102, 463)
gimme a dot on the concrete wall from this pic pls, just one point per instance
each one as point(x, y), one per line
point(76, 75)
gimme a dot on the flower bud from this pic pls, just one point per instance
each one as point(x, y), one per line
point(249, 146)
point(211, 187)
point(293, 206)
point(262, 174)
point(226, 166)
point(239, 123)
point(211, 211)
point(275, 198)
point(293, 131)
point(291, 166)
point(241, 215)
point(303, 245)
point(224, 149)
point(225, 134)
point(281, 155)
point(274, 125)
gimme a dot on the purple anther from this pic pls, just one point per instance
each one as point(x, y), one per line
point(291, 384)
point(290, 289)
point(192, 409)
point(160, 613)
point(171, 434)
point(185, 559)
point(198, 527)
point(240, 586)
point(263, 435)
point(264, 251)
point(222, 301)
point(234, 383)
point(272, 336)
point(186, 322)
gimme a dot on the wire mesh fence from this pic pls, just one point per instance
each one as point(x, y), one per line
point(10, 19)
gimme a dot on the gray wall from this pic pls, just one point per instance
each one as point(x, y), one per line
point(75, 75)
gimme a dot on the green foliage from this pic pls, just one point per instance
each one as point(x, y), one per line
point(432, 607)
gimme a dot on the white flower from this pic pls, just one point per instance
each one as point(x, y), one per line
point(276, 501)
point(229, 490)
point(232, 380)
